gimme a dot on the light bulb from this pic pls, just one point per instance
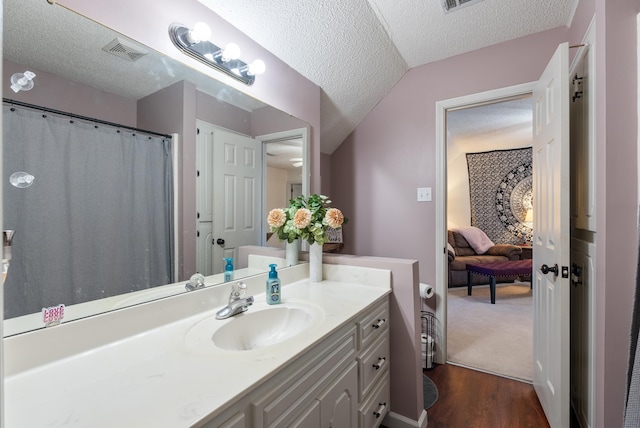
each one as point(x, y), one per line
point(200, 32)
point(256, 67)
point(231, 51)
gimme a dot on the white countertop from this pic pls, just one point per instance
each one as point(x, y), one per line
point(154, 378)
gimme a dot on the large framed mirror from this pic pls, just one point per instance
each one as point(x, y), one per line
point(109, 83)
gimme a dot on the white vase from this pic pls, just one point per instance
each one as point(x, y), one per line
point(291, 252)
point(315, 262)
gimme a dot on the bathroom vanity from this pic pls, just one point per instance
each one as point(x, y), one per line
point(321, 356)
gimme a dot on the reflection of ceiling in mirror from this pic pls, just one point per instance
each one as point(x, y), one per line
point(281, 154)
point(30, 26)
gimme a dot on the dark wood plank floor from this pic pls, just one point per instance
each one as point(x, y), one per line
point(469, 398)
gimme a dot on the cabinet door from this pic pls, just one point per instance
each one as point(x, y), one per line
point(310, 418)
point(339, 402)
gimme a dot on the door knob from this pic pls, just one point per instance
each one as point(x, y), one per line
point(546, 269)
point(220, 241)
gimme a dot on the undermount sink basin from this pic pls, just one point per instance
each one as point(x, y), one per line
point(257, 328)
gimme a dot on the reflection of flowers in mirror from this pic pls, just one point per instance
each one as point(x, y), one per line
point(305, 218)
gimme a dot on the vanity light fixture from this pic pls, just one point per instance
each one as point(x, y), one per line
point(195, 43)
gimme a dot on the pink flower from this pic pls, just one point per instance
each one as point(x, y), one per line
point(302, 218)
point(277, 217)
point(334, 218)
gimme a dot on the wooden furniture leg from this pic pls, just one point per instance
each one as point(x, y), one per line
point(492, 287)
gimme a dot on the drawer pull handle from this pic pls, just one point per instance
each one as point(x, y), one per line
point(380, 410)
point(380, 363)
point(380, 323)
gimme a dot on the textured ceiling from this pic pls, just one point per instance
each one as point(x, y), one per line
point(485, 121)
point(357, 50)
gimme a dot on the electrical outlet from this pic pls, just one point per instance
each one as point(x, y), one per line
point(424, 194)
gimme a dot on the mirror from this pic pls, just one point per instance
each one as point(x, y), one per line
point(97, 73)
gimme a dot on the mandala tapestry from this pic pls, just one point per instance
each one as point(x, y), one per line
point(500, 184)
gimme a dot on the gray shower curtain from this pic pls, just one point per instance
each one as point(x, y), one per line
point(96, 222)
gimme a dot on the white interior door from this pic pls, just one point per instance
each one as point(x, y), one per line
point(237, 201)
point(204, 194)
point(551, 239)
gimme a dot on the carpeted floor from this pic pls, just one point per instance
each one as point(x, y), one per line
point(493, 338)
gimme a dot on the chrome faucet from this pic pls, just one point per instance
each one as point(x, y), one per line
point(237, 303)
point(195, 282)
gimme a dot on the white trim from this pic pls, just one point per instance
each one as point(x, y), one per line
point(394, 420)
point(589, 42)
point(441, 196)
point(175, 139)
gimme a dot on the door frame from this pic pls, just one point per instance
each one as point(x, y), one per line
point(442, 106)
point(301, 133)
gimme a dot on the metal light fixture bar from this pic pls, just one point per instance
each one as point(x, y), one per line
point(209, 54)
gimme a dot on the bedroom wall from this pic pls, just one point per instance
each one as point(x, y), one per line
point(458, 202)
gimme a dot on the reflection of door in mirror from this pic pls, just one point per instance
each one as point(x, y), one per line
point(229, 165)
point(285, 169)
point(295, 190)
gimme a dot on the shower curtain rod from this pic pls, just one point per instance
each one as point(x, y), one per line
point(77, 116)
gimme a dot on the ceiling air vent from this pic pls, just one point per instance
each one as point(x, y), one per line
point(452, 5)
point(124, 49)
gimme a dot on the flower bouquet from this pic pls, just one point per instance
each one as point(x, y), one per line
point(307, 219)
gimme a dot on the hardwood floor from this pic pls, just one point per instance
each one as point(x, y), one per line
point(469, 398)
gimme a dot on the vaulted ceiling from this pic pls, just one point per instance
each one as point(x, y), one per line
point(357, 50)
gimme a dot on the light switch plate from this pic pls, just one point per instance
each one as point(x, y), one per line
point(424, 194)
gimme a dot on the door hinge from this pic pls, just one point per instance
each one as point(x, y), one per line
point(197, 173)
point(197, 131)
point(576, 85)
point(576, 274)
point(197, 215)
point(197, 233)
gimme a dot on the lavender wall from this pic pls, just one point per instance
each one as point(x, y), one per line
point(325, 175)
point(72, 97)
point(218, 112)
point(376, 171)
point(267, 120)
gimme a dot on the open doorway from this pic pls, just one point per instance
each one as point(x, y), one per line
point(489, 191)
point(286, 172)
point(474, 105)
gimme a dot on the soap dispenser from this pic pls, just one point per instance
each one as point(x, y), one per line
point(273, 286)
point(228, 269)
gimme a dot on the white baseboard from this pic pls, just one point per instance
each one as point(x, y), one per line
point(394, 420)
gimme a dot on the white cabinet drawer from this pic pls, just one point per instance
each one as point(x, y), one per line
point(373, 364)
point(373, 325)
point(374, 409)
